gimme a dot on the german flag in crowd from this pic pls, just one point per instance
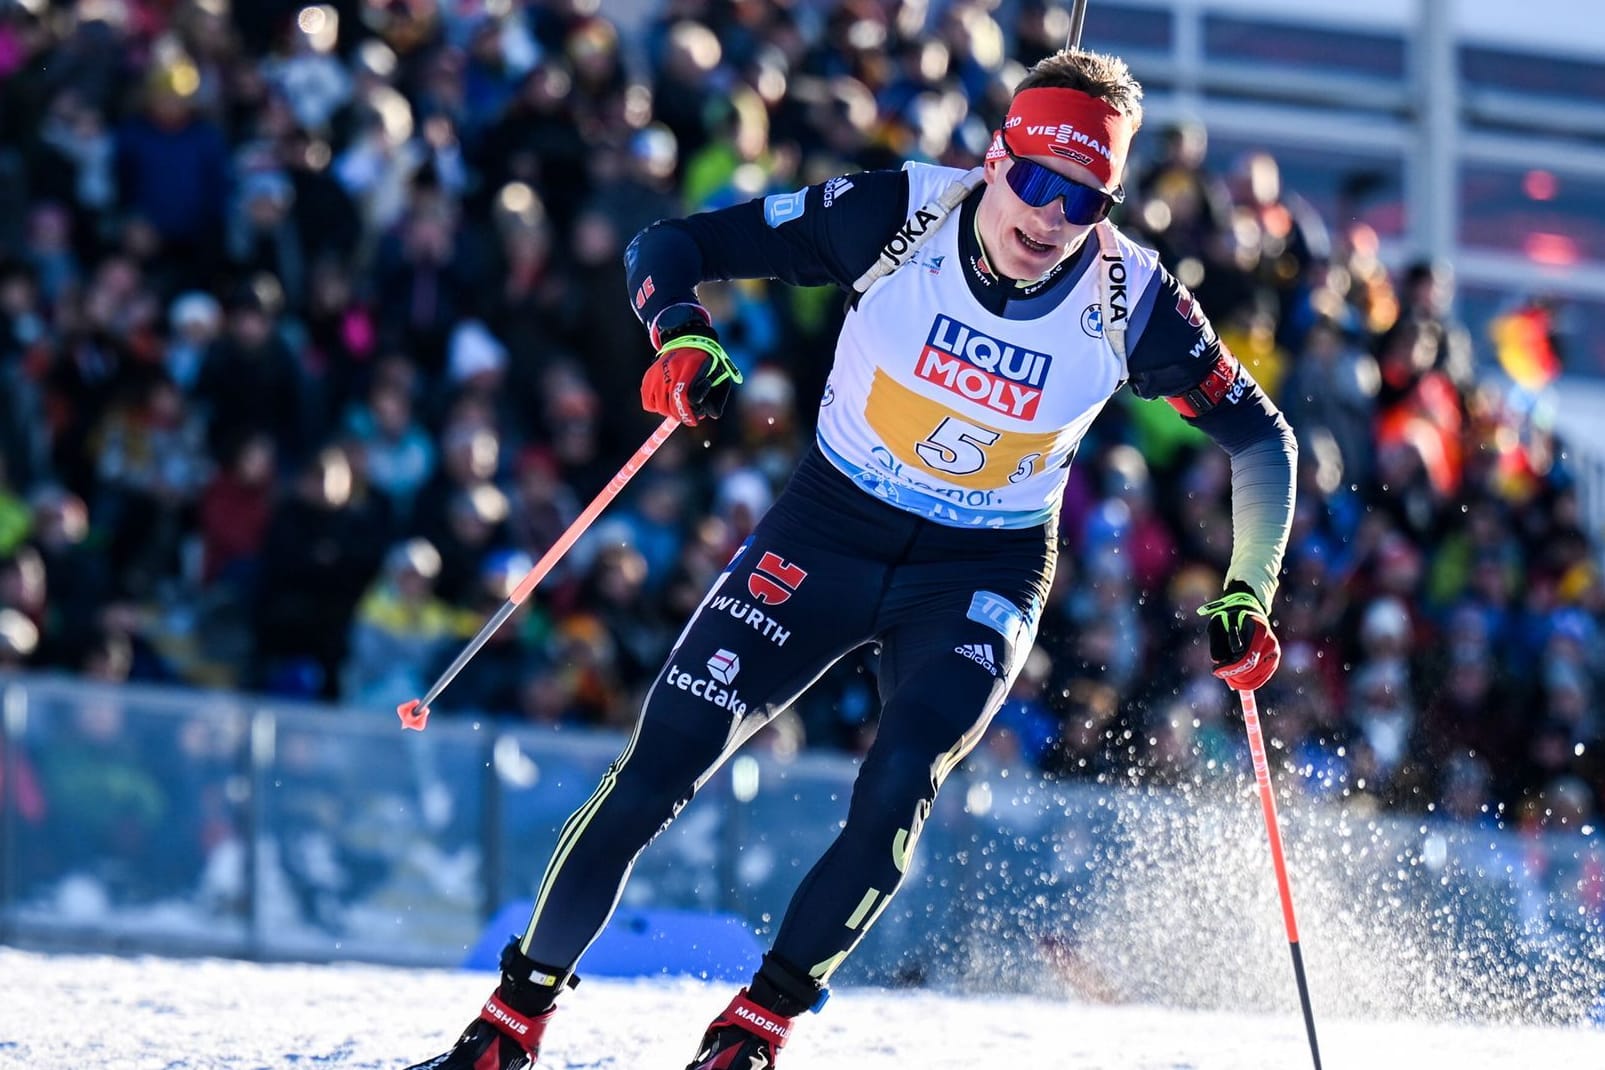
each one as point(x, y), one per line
point(1525, 346)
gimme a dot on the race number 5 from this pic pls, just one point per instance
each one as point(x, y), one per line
point(956, 447)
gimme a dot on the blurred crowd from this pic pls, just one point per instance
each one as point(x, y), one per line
point(313, 336)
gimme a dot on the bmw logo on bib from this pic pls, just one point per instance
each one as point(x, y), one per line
point(1092, 321)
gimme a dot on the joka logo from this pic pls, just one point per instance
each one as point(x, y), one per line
point(902, 243)
point(1002, 377)
point(775, 580)
point(1116, 269)
point(980, 653)
point(724, 665)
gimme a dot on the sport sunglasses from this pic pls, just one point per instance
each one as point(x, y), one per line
point(1037, 185)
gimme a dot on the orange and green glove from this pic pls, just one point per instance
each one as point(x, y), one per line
point(692, 377)
point(1241, 642)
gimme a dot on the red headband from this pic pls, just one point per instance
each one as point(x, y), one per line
point(1070, 124)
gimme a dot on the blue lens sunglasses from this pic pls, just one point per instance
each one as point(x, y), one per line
point(1037, 185)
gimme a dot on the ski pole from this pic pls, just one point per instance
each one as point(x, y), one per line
point(414, 713)
point(899, 251)
point(1267, 801)
point(1078, 17)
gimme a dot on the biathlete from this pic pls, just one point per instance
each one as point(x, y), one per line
point(993, 313)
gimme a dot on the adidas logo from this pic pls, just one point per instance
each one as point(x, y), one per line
point(980, 653)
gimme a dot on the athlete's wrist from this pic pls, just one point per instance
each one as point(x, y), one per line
point(679, 320)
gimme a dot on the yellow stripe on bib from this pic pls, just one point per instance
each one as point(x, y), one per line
point(952, 447)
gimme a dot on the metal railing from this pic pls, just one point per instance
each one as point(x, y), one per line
point(1428, 123)
point(178, 822)
point(1428, 118)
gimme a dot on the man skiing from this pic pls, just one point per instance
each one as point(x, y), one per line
point(993, 314)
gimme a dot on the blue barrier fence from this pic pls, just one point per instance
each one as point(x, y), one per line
point(138, 819)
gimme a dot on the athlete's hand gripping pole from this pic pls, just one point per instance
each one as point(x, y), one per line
point(414, 714)
point(1267, 801)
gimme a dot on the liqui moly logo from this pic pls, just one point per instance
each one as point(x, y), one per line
point(1003, 377)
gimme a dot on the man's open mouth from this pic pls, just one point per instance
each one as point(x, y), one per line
point(1031, 243)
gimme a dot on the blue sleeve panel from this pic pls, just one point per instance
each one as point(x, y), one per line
point(1176, 354)
point(1264, 474)
point(1179, 357)
point(827, 233)
point(1172, 345)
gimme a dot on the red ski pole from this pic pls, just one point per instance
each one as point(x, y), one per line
point(414, 713)
point(1267, 801)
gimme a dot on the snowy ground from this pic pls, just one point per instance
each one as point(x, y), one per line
point(68, 1011)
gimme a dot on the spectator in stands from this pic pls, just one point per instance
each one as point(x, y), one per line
point(323, 547)
point(298, 289)
point(151, 465)
point(235, 509)
point(401, 628)
point(173, 171)
point(401, 453)
point(250, 379)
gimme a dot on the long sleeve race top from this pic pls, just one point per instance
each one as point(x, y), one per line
point(960, 395)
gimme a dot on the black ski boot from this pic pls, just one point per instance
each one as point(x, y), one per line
point(747, 1036)
point(499, 1039)
point(507, 1033)
point(753, 1029)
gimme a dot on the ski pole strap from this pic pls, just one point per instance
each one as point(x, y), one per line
point(1242, 601)
point(724, 369)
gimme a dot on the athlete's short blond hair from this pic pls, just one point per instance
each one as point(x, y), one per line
point(1096, 74)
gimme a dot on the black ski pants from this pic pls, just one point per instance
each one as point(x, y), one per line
point(829, 568)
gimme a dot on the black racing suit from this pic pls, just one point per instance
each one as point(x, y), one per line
point(832, 567)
